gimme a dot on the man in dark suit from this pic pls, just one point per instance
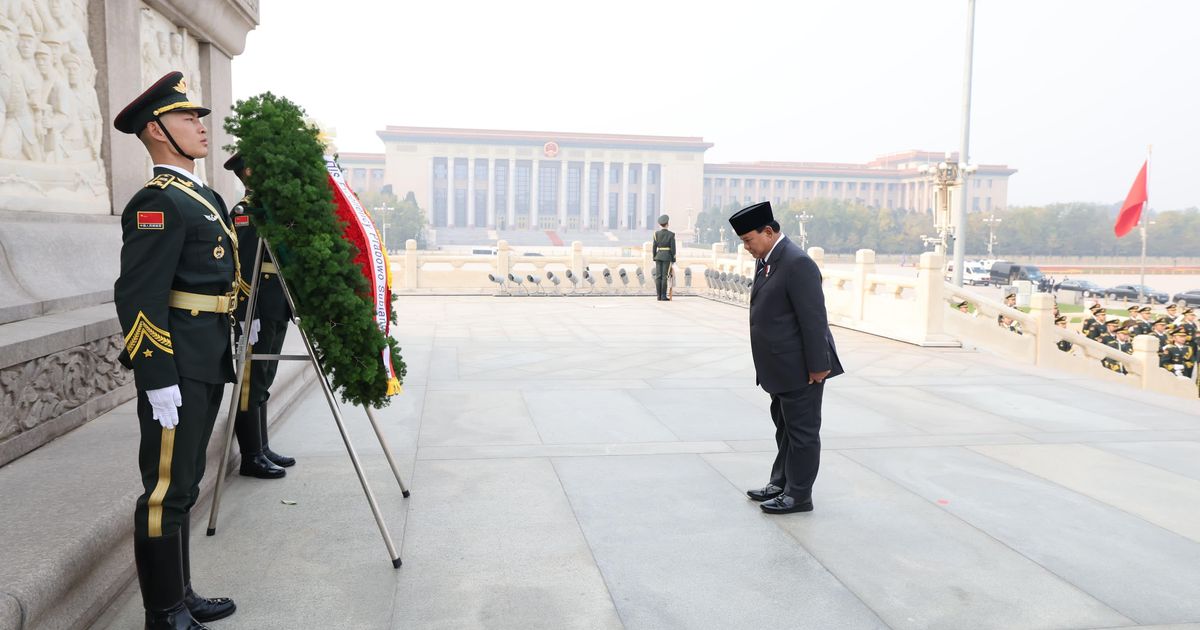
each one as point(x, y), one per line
point(793, 355)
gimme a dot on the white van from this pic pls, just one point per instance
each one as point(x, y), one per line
point(974, 274)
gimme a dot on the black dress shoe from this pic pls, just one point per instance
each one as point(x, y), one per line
point(257, 465)
point(769, 491)
point(783, 504)
point(206, 608)
point(282, 461)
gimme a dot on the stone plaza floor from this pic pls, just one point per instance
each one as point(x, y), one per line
point(582, 462)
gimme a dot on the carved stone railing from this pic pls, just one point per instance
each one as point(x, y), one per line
point(1038, 343)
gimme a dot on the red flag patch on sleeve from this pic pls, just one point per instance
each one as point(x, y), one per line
point(241, 220)
point(149, 220)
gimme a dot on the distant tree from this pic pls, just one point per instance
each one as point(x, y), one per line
point(404, 220)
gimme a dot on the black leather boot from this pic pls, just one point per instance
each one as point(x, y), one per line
point(160, 575)
point(202, 608)
point(276, 458)
point(254, 462)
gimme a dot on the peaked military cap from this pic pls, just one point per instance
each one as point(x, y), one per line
point(1011, 295)
point(962, 304)
point(1095, 307)
point(1113, 322)
point(235, 163)
point(168, 94)
point(664, 219)
point(751, 218)
point(1188, 310)
point(1179, 330)
point(1144, 309)
point(1061, 319)
point(1171, 306)
point(1129, 323)
point(1162, 320)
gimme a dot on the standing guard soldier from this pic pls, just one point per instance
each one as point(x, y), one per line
point(1091, 321)
point(1099, 324)
point(1190, 328)
point(664, 257)
point(1160, 332)
point(174, 299)
point(1063, 344)
point(1109, 338)
point(273, 315)
point(1178, 357)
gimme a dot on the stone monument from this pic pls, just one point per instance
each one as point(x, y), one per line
point(66, 68)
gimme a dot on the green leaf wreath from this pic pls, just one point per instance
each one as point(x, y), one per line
point(289, 181)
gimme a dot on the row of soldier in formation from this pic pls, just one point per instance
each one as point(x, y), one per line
point(182, 290)
point(1175, 330)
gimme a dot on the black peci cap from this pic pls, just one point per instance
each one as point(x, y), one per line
point(168, 94)
point(751, 218)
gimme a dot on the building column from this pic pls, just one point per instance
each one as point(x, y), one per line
point(643, 207)
point(623, 198)
point(450, 192)
point(491, 194)
point(511, 200)
point(585, 195)
point(429, 204)
point(604, 178)
point(471, 191)
point(564, 167)
point(534, 183)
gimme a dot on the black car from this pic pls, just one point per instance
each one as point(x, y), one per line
point(1086, 287)
point(1187, 298)
point(1129, 292)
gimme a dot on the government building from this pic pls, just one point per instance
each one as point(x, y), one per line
point(504, 180)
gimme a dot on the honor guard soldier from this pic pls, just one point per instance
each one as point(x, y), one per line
point(1172, 314)
point(1062, 344)
point(1010, 301)
point(1109, 338)
point(266, 337)
point(1160, 332)
point(1098, 324)
point(1091, 321)
point(174, 298)
point(1189, 327)
point(1178, 356)
point(664, 257)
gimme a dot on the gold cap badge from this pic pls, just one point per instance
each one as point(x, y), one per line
point(181, 87)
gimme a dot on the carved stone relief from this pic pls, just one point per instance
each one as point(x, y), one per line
point(165, 48)
point(47, 387)
point(50, 125)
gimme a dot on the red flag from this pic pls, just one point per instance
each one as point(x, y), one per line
point(1131, 210)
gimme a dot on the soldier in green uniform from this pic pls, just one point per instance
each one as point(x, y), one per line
point(1172, 314)
point(1090, 321)
point(174, 298)
point(1099, 322)
point(664, 257)
point(1109, 338)
point(1062, 344)
point(1190, 328)
point(266, 336)
point(1144, 321)
point(1160, 332)
point(1178, 357)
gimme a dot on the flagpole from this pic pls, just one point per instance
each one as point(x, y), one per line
point(1142, 221)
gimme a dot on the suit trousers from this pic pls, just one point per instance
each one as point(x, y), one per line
point(661, 281)
point(172, 460)
point(797, 417)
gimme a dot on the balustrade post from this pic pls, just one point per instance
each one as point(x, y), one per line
point(1041, 308)
point(577, 263)
point(864, 265)
point(930, 285)
point(411, 264)
point(503, 259)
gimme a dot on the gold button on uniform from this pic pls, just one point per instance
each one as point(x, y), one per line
point(218, 252)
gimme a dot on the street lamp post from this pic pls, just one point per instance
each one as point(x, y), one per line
point(803, 236)
point(991, 222)
point(384, 213)
point(964, 154)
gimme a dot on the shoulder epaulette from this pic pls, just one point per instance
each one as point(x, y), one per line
point(161, 181)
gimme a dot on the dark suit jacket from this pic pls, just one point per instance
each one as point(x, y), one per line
point(789, 330)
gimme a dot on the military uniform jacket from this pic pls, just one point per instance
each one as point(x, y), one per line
point(272, 304)
point(1173, 355)
point(664, 245)
point(175, 235)
point(789, 328)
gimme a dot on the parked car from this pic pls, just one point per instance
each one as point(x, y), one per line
point(1005, 273)
point(1086, 287)
point(973, 274)
point(1129, 292)
point(1187, 298)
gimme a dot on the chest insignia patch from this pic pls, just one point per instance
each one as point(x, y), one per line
point(218, 252)
point(149, 220)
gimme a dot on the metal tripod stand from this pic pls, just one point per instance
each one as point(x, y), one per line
point(243, 357)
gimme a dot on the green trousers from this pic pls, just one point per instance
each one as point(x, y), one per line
point(661, 281)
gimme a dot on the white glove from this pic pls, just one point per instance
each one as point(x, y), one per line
point(164, 402)
point(254, 328)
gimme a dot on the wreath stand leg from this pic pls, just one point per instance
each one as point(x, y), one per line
point(245, 357)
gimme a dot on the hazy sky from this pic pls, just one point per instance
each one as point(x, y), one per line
point(1070, 92)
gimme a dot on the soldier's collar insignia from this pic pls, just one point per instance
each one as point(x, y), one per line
point(210, 217)
point(181, 87)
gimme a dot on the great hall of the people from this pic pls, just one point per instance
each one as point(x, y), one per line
point(551, 180)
